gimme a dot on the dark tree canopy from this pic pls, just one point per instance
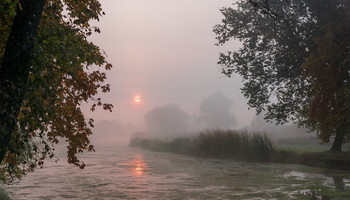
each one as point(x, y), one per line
point(48, 68)
point(294, 61)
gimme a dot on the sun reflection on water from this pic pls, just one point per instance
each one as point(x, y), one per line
point(138, 166)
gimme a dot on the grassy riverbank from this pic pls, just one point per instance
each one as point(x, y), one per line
point(239, 145)
point(244, 146)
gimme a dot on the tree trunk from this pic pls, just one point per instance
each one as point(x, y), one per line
point(15, 67)
point(338, 142)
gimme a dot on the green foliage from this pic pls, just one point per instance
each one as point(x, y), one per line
point(294, 60)
point(271, 55)
point(327, 68)
point(66, 70)
point(7, 13)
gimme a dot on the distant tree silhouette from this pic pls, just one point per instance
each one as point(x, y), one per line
point(215, 111)
point(166, 120)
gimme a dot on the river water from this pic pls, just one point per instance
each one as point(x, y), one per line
point(123, 172)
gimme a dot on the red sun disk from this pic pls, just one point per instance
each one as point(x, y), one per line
point(137, 99)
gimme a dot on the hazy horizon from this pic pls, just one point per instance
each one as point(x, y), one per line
point(165, 52)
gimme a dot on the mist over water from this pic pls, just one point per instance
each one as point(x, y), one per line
point(121, 172)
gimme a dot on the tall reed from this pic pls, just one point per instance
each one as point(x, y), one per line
point(241, 145)
point(216, 143)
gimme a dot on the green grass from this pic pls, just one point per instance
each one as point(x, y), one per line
point(301, 144)
point(302, 148)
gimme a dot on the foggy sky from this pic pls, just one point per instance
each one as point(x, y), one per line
point(164, 51)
